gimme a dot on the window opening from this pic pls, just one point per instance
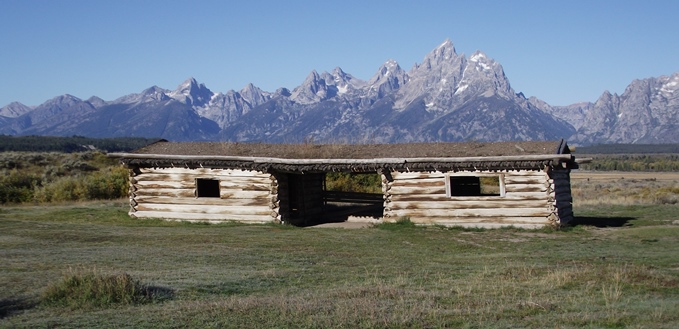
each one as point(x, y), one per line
point(481, 185)
point(207, 188)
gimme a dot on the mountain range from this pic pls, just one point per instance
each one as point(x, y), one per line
point(447, 97)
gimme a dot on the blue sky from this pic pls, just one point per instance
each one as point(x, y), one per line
point(562, 52)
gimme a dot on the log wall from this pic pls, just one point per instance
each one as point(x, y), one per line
point(528, 200)
point(170, 193)
point(563, 199)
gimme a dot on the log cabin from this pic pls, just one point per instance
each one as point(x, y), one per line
point(472, 184)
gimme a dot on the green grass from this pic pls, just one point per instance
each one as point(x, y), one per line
point(622, 275)
point(82, 289)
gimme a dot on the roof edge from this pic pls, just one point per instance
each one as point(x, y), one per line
point(532, 157)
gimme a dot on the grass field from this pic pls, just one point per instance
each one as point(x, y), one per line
point(618, 268)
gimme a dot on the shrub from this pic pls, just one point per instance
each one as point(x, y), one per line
point(105, 185)
point(62, 189)
point(90, 289)
point(354, 182)
point(17, 186)
point(400, 224)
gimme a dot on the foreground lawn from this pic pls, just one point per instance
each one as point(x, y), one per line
point(618, 269)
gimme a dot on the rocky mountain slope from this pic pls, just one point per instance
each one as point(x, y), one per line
point(646, 113)
point(447, 97)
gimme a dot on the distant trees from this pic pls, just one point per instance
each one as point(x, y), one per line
point(634, 162)
point(71, 144)
point(629, 149)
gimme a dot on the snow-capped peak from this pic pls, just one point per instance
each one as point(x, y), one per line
point(192, 93)
point(477, 56)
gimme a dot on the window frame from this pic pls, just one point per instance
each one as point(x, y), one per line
point(501, 182)
point(208, 191)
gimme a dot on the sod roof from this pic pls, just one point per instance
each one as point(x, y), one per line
point(354, 151)
point(353, 157)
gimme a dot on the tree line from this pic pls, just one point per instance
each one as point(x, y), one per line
point(628, 149)
point(633, 162)
point(71, 144)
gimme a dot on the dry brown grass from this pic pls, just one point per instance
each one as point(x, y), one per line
point(624, 188)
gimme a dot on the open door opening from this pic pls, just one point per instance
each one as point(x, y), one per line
point(319, 198)
point(353, 195)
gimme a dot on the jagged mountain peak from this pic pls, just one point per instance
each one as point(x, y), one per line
point(447, 97)
point(14, 109)
point(446, 49)
point(249, 89)
point(389, 77)
point(338, 72)
point(343, 82)
point(254, 95)
point(313, 76)
point(153, 93)
point(312, 90)
point(62, 100)
point(192, 93)
point(389, 67)
point(445, 52)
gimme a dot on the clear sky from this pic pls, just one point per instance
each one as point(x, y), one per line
point(562, 52)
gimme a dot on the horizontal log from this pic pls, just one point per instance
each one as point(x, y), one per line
point(561, 179)
point(489, 220)
point(234, 194)
point(189, 193)
point(559, 190)
point(205, 171)
point(144, 184)
point(190, 184)
point(566, 218)
point(487, 225)
point(517, 196)
point(527, 195)
point(408, 190)
point(177, 193)
point(204, 201)
point(201, 209)
point(417, 175)
point(509, 179)
point(564, 198)
point(226, 185)
point(566, 211)
point(468, 204)
point(526, 188)
point(420, 182)
point(564, 204)
point(504, 212)
point(207, 217)
point(192, 178)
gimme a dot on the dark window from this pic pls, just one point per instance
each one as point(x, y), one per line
point(476, 186)
point(207, 188)
point(465, 186)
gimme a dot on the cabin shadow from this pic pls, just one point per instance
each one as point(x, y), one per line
point(341, 212)
point(601, 222)
point(8, 307)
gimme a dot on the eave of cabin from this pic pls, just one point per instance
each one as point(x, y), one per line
point(529, 162)
point(356, 158)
